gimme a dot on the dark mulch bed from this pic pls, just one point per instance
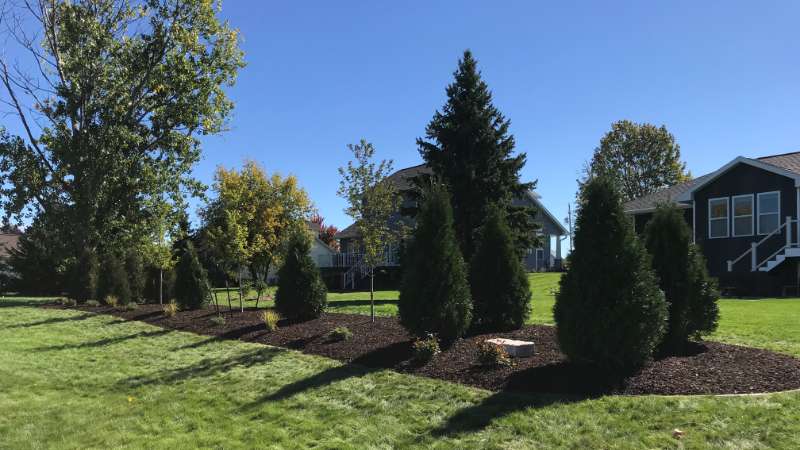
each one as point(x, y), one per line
point(709, 368)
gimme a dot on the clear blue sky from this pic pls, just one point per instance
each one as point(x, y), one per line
point(724, 77)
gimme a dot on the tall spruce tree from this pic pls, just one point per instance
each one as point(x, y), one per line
point(468, 146)
point(690, 293)
point(83, 276)
point(609, 310)
point(500, 291)
point(113, 279)
point(434, 295)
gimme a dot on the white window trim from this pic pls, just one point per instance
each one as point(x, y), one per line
point(752, 215)
point(727, 217)
point(758, 201)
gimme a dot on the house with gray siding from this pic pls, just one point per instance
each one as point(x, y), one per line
point(544, 258)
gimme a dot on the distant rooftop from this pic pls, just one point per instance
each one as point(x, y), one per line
point(786, 161)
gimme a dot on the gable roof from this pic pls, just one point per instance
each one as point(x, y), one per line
point(785, 164)
point(403, 181)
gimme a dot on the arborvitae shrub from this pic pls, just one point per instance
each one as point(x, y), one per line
point(703, 296)
point(689, 292)
point(113, 279)
point(500, 292)
point(434, 294)
point(83, 277)
point(609, 311)
point(301, 294)
point(192, 290)
point(136, 275)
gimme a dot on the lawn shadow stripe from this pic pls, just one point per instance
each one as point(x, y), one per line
point(104, 342)
point(346, 303)
point(203, 369)
point(53, 320)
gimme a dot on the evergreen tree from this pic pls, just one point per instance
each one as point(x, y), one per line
point(136, 276)
point(500, 292)
point(84, 277)
point(434, 294)
point(609, 310)
point(192, 290)
point(682, 276)
point(113, 279)
point(468, 146)
point(301, 293)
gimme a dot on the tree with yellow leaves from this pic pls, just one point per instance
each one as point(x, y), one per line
point(250, 222)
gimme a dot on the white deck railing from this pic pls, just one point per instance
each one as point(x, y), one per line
point(753, 250)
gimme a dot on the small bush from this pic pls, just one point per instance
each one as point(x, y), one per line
point(113, 279)
point(270, 319)
point(111, 300)
point(68, 302)
point(340, 334)
point(425, 349)
point(92, 303)
point(170, 309)
point(131, 306)
point(301, 293)
point(192, 290)
point(490, 354)
point(218, 320)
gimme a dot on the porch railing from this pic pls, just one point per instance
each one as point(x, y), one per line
point(755, 263)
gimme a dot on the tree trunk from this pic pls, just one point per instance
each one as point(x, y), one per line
point(161, 286)
point(228, 293)
point(372, 294)
point(241, 292)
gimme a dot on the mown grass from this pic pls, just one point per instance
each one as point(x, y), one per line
point(76, 380)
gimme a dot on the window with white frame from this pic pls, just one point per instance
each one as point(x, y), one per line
point(742, 215)
point(718, 217)
point(769, 212)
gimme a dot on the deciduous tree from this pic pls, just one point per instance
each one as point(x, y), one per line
point(641, 157)
point(111, 116)
point(371, 202)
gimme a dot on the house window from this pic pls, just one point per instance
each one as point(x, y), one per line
point(742, 215)
point(718, 217)
point(769, 212)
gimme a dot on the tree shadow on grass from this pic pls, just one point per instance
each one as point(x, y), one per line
point(205, 368)
point(53, 320)
point(11, 302)
point(537, 387)
point(374, 361)
point(104, 342)
point(235, 333)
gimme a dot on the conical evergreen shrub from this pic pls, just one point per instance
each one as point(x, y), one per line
point(113, 280)
point(192, 290)
point(500, 292)
point(689, 291)
point(609, 311)
point(434, 294)
point(83, 278)
point(136, 276)
point(301, 293)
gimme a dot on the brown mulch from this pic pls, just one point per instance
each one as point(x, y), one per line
point(708, 368)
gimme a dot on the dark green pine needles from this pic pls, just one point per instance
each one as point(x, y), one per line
point(500, 292)
point(609, 311)
point(434, 295)
point(301, 292)
point(192, 290)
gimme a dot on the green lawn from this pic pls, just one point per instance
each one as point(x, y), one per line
point(76, 380)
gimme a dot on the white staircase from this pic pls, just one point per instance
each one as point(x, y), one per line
point(789, 249)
